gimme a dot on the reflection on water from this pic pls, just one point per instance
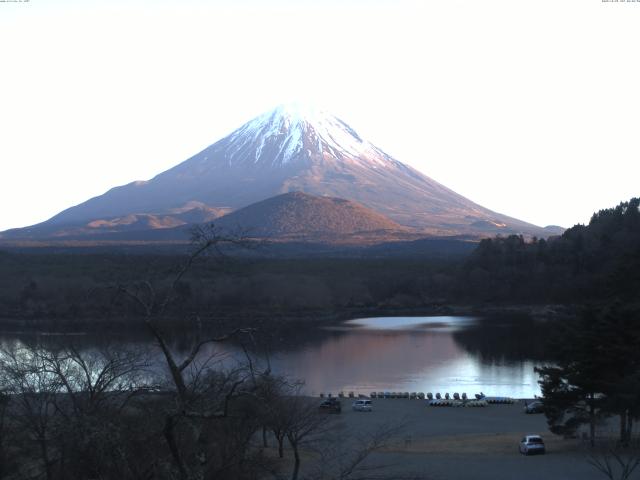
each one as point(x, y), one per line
point(428, 354)
point(412, 323)
point(407, 354)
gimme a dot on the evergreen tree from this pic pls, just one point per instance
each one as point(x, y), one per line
point(597, 373)
point(572, 391)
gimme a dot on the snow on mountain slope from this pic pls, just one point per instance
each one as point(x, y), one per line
point(293, 148)
point(292, 132)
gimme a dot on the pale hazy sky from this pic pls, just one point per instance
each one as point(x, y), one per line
point(530, 108)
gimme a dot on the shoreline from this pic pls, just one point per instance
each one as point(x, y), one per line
point(264, 318)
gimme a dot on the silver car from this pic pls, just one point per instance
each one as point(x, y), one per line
point(531, 444)
point(362, 405)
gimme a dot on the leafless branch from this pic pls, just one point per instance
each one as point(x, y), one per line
point(616, 462)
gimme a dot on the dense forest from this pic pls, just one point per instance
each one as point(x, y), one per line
point(596, 262)
point(592, 263)
point(63, 288)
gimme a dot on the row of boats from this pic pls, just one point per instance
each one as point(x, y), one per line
point(437, 400)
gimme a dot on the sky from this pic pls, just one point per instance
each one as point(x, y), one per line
point(530, 108)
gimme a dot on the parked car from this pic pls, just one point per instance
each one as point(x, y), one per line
point(534, 407)
point(330, 405)
point(531, 444)
point(362, 406)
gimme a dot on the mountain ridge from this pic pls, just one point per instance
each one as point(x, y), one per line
point(292, 149)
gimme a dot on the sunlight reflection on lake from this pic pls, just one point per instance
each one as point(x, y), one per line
point(407, 354)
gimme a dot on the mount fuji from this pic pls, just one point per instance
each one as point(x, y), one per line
point(289, 149)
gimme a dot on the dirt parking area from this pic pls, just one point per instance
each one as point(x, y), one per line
point(443, 443)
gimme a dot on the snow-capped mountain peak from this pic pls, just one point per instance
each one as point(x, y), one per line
point(296, 133)
point(296, 148)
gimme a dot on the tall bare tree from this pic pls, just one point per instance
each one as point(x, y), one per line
point(303, 422)
point(200, 395)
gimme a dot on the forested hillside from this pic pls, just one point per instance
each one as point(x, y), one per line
point(599, 261)
point(596, 263)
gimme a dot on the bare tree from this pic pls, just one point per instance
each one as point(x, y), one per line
point(345, 456)
point(278, 421)
point(69, 404)
point(273, 394)
point(153, 305)
point(303, 422)
point(34, 393)
point(616, 461)
point(91, 379)
point(201, 395)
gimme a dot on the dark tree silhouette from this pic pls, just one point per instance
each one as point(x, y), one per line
point(596, 372)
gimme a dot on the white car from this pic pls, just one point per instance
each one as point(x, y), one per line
point(362, 405)
point(531, 444)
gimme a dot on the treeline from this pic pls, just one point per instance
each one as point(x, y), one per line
point(596, 262)
point(593, 263)
point(69, 287)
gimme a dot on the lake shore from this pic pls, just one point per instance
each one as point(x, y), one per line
point(276, 318)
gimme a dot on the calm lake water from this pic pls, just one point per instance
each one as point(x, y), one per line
point(422, 354)
point(428, 354)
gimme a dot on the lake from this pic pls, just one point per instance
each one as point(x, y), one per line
point(421, 354)
point(442, 354)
